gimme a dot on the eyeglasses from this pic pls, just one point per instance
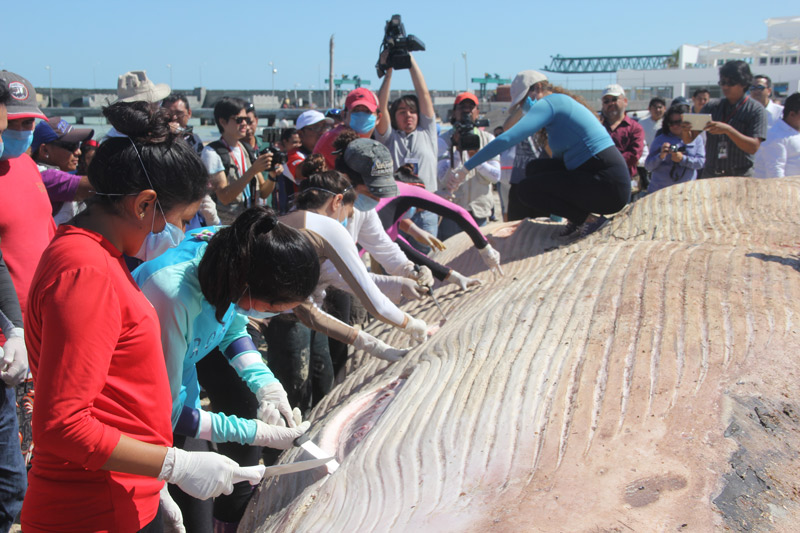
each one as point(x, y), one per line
point(68, 146)
point(246, 120)
point(726, 83)
point(757, 87)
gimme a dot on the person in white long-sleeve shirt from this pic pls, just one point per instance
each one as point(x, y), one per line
point(779, 155)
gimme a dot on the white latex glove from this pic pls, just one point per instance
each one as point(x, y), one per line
point(417, 329)
point(455, 178)
point(171, 516)
point(491, 257)
point(273, 405)
point(377, 348)
point(462, 281)
point(14, 365)
point(204, 475)
point(423, 276)
point(411, 289)
point(281, 438)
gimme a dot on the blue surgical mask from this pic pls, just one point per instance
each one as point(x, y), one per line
point(252, 313)
point(362, 122)
point(365, 203)
point(1, 148)
point(527, 104)
point(15, 143)
point(156, 244)
point(344, 223)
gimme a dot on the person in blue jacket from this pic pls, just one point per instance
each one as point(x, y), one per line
point(671, 160)
point(586, 174)
point(204, 291)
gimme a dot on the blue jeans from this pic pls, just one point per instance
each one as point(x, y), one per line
point(429, 222)
point(13, 477)
point(448, 228)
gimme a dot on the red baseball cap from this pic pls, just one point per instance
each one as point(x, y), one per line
point(361, 96)
point(466, 96)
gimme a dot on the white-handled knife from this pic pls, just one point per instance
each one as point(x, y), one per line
point(298, 466)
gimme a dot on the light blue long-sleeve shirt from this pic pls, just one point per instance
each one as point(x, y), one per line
point(573, 132)
point(190, 331)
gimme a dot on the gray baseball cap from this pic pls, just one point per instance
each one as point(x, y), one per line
point(22, 103)
point(372, 162)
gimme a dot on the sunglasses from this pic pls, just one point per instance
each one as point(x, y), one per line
point(246, 120)
point(610, 100)
point(726, 83)
point(757, 87)
point(675, 122)
point(69, 147)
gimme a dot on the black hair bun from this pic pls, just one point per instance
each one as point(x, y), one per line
point(141, 121)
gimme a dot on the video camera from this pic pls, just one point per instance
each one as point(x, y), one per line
point(278, 157)
point(465, 128)
point(399, 46)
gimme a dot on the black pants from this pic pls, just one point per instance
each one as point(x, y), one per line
point(338, 305)
point(197, 514)
point(230, 395)
point(300, 358)
point(600, 185)
point(155, 526)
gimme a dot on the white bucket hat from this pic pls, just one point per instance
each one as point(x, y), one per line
point(134, 86)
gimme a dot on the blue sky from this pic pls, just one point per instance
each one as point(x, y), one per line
point(89, 43)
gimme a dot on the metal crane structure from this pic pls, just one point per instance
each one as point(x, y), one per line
point(596, 65)
point(486, 80)
point(356, 81)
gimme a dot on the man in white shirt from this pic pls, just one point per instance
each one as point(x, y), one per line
point(779, 155)
point(761, 92)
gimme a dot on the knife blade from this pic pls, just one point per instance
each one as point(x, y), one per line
point(298, 466)
point(439, 307)
point(304, 442)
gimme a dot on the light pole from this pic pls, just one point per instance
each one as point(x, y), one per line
point(169, 66)
point(296, 85)
point(274, 71)
point(466, 72)
point(50, 74)
point(310, 97)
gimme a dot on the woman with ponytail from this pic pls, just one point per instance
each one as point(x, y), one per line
point(101, 419)
point(204, 290)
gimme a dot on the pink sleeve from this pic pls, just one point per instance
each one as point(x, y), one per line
point(79, 341)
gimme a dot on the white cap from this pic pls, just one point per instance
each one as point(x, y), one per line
point(309, 118)
point(522, 84)
point(613, 90)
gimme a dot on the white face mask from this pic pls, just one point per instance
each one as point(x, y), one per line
point(156, 244)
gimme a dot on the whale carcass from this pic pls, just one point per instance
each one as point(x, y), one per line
point(644, 378)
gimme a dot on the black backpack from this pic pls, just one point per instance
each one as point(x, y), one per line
point(229, 167)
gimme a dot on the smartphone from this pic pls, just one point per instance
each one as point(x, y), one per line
point(697, 120)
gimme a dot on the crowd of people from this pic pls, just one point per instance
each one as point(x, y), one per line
point(145, 270)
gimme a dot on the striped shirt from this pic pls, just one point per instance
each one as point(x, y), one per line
point(750, 119)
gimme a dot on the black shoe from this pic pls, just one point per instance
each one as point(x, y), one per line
point(569, 229)
point(590, 227)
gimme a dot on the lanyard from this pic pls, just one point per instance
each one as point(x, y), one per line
point(239, 166)
point(738, 107)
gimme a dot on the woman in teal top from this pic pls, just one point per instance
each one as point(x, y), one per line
point(586, 174)
point(203, 291)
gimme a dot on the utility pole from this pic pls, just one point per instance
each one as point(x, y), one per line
point(50, 74)
point(466, 71)
point(330, 76)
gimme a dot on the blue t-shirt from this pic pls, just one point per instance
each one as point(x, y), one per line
point(573, 132)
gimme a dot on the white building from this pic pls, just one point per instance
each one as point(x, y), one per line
point(777, 56)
